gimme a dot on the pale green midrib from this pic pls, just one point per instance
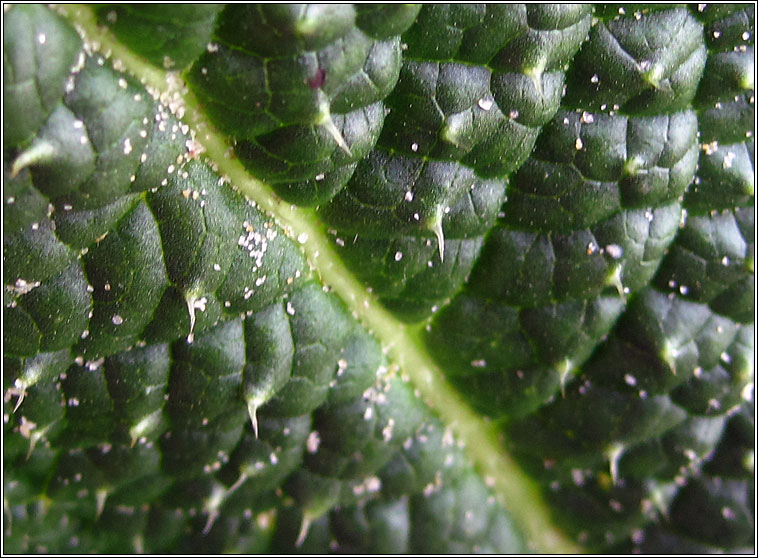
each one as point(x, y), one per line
point(519, 494)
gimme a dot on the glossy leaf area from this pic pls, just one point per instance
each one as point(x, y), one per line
point(378, 278)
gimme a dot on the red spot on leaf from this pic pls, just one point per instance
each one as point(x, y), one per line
point(317, 80)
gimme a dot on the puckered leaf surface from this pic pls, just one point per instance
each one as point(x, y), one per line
point(378, 278)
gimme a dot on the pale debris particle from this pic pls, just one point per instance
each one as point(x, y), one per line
point(748, 392)
point(728, 160)
point(387, 430)
point(577, 475)
point(255, 243)
point(22, 286)
point(290, 309)
point(710, 148)
point(479, 363)
point(369, 485)
point(26, 427)
point(414, 147)
point(341, 366)
point(614, 251)
point(372, 484)
point(194, 148)
point(117, 320)
point(42, 38)
point(448, 440)
point(398, 256)
point(578, 144)
point(313, 442)
point(485, 104)
point(127, 146)
point(265, 519)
